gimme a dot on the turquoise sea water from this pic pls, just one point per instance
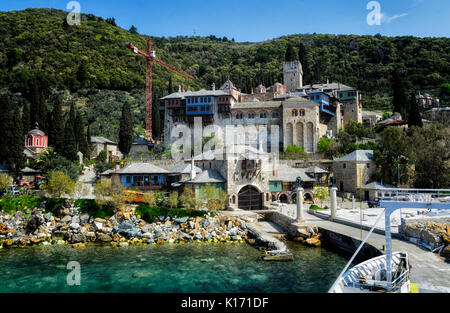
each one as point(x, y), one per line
point(193, 267)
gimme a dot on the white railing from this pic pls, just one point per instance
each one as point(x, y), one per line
point(414, 195)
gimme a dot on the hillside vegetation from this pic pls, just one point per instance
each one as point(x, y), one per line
point(39, 50)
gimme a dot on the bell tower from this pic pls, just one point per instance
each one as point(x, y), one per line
point(292, 75)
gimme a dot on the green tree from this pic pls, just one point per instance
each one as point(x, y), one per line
point(126, 130)
point(414, 118)
point(324, 144)
point(189, 200)
point(103, 190)
point(290, 54)
point(59, 185)
point(5, 181)
point(133, 29)
point(431, 156)
point(56, 131)
point(172, 201)
point(26, 124)
point(321, 193)
point(392, 155)
point(400, 99)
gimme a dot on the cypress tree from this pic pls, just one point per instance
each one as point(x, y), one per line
point(68, 148)
point(80, 135)
point(303, 58)
point(400, 99)
point(6, 122)
point(414, 118)
point(12, 140)
point(16, 159)
point(290, 53)
point(156, 123)
point(126, 129)
point(26, 124)
point(56, 131)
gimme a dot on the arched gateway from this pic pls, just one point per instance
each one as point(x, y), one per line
point(249, 198)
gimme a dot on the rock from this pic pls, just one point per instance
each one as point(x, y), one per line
point(90, 235)
point(198, 236)
point(84, 218)
point(78, 245)
point(313, 242)
point(60, 242)
point(126, 225)
point(104, 238)
point(74, 226)
point(98, 226)
point(49, 217)
point(191, 224)
point(123, 244)
point(78, 238)
point(66, 219)
point(446, 251)
point(58, 234)
point(36, 220)
point(147, 235)
point(181, 220)
point(149, 240)
point(229, 225)
point(76, 219)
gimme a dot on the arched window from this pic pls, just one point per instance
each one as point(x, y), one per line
point(29, 141)
point(37, 141)
point(233, 199)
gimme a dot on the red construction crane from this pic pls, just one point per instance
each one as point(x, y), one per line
point(150, 56)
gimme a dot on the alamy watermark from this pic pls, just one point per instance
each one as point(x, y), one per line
point(74, 276)
point(374, 17)
point(74, 17)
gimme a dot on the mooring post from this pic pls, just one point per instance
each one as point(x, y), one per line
point(333, 204)
point(300, 205)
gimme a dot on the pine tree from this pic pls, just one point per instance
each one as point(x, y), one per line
point(126, 129)
point(400, 99)
point(414, 118)
point(133, 29)
point(69, 143)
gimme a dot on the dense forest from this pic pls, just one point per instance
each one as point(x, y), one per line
point(41, 55)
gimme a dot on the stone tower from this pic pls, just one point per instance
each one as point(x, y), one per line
point(293, 75)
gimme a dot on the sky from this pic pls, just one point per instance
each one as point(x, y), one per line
point(260, 20)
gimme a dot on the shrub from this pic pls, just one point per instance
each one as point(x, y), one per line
point(315, 207)
point(294, 149)
point(151, 213)
point(22, 203)
point(189, 200)
point(95, 209)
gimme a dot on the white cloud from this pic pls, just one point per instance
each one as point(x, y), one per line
point(385, 18)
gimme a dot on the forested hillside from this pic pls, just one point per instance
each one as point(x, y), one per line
point(40, 53)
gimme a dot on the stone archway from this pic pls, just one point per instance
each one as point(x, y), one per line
point(300, 131)
point(289, 135)
point(283, 197)
point(309, 137)
point(249, 198)
point(308, 197)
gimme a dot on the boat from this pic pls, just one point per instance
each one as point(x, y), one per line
point(370, 276)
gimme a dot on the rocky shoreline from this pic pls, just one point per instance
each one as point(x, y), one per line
point(69, 226)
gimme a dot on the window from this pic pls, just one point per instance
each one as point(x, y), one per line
point(262, 115)
point(344, 165)
point(128, 179)
point(294, 112)
point(251, 115)
point(234, 199)
point(275, 115)
point(302, 112)
point(368, 165)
